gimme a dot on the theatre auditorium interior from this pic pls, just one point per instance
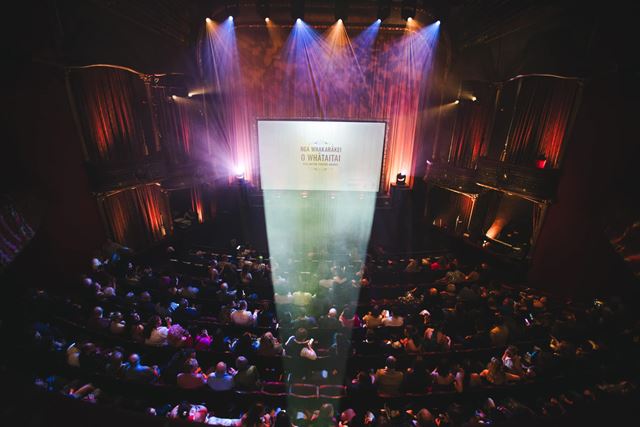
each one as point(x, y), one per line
point(320, 213)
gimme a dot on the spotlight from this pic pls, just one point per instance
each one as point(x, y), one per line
point(238, 171)
point(408, 9)
point(263, 8)
point(401, 179)
point(174, 97)
point(266, 20)
point(437, 22)
point(208, 20)
point(379, 20)
point(341, 10)
point(230, 18)
point(297, 10)
point(456, 102)
point(384, 9)
point(473, 98)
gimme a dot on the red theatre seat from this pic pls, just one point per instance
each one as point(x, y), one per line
point(304, 391)
point(274, 388)
point(332, 392)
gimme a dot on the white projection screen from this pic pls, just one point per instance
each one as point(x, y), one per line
point(320, 155)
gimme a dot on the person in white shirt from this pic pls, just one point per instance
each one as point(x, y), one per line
point(301, 298)
point(390, 319)
point(243, 317)
point(282, 299)
point(155, 333)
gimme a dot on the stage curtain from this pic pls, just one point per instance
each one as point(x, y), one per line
point(113, 113)
point(196, 202)
point(178, 126)
point(470, 136)
point(544, 107)
point(277, 73)
point(137, 217)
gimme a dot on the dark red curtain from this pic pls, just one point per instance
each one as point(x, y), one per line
point(470, 136)
point(543, 110)
point(196, 202)
point(179, 125)
point(113, 113)
point(127, 116)
point(138, 217)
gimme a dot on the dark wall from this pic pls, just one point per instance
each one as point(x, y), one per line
point(48, 162)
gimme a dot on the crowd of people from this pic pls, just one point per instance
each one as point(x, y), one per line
point(220, 328)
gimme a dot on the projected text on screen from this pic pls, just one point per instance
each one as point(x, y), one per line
point(320, 155)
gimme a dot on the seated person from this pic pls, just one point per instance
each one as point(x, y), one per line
point(299, 345)
point(202, 341)
point(391, 319)
point(246, 377)
point(155, 333)
point(512, 362)
point(269, 345)
point(189, 412)
point(97, 321)
point(179, 337)
point(373, 319)
point(388, 380)
point(191, 377)
point(117, 325)
point(349, 318)
point(221, 379)
point(436, 340)
point(136, 371)
point(243, 317)
point(495, 373)
point(330, 320)
point(442, 377)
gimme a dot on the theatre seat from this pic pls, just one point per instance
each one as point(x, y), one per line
point(303, 391)
point(332, 392)
point(274, 388)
